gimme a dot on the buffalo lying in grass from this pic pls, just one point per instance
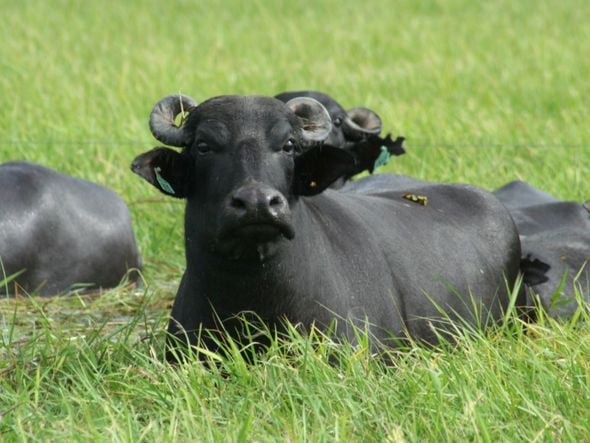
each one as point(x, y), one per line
point(264, 235)
point(58, 232)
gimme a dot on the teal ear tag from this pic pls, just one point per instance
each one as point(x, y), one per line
point(162, 182)
point(383, 158)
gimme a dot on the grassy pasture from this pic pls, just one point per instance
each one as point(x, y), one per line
point(485, 92)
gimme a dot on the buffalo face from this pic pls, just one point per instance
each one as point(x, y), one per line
point(244, 163)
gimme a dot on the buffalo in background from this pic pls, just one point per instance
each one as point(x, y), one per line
point(555, 241)
point(357, 131)
point(59, 233)
point(555, 235)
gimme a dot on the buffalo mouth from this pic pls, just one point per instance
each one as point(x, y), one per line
point(251, 241)
point(261, 232)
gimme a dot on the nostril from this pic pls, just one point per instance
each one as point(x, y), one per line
point(276, 201)
point(237, 203)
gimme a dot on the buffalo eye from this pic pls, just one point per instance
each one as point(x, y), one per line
point(203, 147)
point(289, 146)
point(337, 121)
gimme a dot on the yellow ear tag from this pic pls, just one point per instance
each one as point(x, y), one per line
point(420, 199)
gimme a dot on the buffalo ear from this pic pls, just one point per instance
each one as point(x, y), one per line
point(164, 168)
point(375, 151)
point(319, 167)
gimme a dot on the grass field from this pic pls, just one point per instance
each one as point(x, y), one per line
point(485, 92)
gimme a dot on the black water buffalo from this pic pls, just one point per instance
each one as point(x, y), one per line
point(355, 130)
point(555, 234)
point(58, 231)
point(264, 235)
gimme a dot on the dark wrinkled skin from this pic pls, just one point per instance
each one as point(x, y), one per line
point(375, 259)
point(555, 239)
point(61, 231)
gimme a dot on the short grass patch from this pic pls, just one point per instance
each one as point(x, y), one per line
point(484, 92)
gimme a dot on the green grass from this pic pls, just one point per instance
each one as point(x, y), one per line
point(513, 383)
point(485, 92)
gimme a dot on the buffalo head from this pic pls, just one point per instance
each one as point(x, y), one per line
point(357, 131)
point(243, 164)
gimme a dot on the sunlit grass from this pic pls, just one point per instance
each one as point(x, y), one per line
point(513, 382)
point(484, 92)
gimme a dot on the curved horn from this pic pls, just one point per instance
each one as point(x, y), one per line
point(361, 121)
point(316, 123)
point(162, 118)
